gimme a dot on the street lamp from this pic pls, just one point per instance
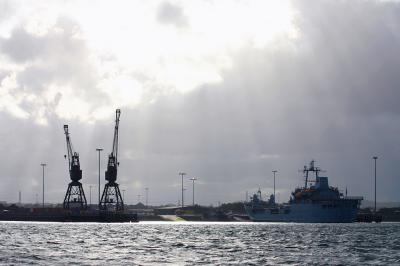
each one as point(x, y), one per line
point(99, 150)
point(43, 165)
point(274, 171)
point(182, 174)
point(147, 197)
point(193, 179)
point(375, 158)
point(90, 195)
point(123, 195)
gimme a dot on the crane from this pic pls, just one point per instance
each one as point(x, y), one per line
point(111, 197)
point(75, 196)
point(112, 165)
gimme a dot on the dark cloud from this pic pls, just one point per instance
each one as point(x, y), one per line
point(356, 43)
point(59, 41)
point(169, 13)
point(330, 95)
point(58, 57)
point(22, 46)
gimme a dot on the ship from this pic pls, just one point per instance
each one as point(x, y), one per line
point(316, 202)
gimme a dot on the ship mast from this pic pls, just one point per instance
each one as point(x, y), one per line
point(305, 171)
point(311, 168)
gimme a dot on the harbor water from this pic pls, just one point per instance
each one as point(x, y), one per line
point(184, 243)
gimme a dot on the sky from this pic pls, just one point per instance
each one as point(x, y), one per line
point(225, 91)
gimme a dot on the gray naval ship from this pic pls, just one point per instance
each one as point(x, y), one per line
point(316, 202)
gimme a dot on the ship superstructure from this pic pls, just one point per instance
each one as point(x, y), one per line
point(316, 202)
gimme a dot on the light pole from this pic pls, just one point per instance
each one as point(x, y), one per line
point(375, 158)
point(182, 174)
point(193, 179)
point(123, 195)
point(147, 197)
point(274, 171)
point(99, 150)
point(43, 165)
point(90, 195)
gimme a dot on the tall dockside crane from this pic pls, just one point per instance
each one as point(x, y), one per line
point(111, 198)
point(75, 196)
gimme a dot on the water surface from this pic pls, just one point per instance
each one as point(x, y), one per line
point(183, 243)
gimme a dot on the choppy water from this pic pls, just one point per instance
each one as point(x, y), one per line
point(23, 243)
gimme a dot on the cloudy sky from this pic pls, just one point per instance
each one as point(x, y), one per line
point(226, 91)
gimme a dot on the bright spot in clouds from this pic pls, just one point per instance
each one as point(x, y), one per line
point(99, 56)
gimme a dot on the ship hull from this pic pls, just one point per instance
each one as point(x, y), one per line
point(305, 213)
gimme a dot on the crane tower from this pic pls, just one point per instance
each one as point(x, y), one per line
point(75, 196)
point(111, 198)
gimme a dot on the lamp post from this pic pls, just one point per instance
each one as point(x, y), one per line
point(123, 195)
point(274, 171)
point(147, 196)
point(99, 150)
point(43, 165)
point(193, 179)
point(375, 158)
point(90, 195)
point(182, 174)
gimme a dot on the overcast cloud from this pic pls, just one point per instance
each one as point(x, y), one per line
point(226, 91)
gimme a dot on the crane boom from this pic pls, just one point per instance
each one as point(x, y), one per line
point(74, 166)
point(69, 146)
point(111, 173)
point(115, 141)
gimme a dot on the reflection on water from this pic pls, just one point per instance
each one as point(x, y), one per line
point(183, 243)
